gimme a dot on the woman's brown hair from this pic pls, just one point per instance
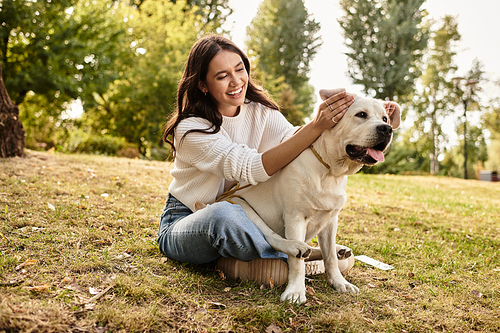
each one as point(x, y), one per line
point(191, 102)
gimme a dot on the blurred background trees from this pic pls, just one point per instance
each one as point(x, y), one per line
point(282, 41)
point(101, 76)
point(386, 40)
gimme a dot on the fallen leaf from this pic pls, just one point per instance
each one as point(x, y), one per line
point(74, 286)
point(216, 306)
point(99, 295)
point(310, 291)
point(51, 206)
point(67, 279)
point(89, 306)
point(28, 262)
point(477, 294)
point(38, 289)
point(94, 291)
point(227, 289)
point(124, 255)
point(273, 329)
point(221, 274)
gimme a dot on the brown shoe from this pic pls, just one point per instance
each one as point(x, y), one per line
point(263, 271)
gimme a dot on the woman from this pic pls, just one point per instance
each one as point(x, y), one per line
point(226, 130)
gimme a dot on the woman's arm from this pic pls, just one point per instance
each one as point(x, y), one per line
point(327, 116)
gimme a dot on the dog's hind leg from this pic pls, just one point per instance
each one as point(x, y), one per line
point(343, 252)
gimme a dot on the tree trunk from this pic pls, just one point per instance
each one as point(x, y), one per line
point(12, 138)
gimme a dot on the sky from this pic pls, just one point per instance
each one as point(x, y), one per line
point(478, 23)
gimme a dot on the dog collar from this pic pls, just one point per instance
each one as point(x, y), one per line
point(319, 157)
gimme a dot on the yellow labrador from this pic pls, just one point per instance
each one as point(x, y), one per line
point(303, 200)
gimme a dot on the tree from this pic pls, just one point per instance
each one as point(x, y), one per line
point(491, 122)
point(11, 129)
point(453, 161)
point(213, 12)
point(435, 99)
point(282, 41)
point(58, 51)
point(387, 41)
point(137, 104)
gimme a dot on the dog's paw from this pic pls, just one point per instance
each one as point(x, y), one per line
point(294, 295)
point(293, 248)
point(343, 252)
point(343, 286)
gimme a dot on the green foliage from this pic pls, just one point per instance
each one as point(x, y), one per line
point(44, 126)
point(387, 41)
point(453, 163)
point(80, 141)
point(491, 121)
point(58, 49)
point(136, 106)
point(282, 41)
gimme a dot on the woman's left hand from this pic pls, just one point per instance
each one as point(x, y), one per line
point(333, 107)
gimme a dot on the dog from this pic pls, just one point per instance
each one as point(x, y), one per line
point(303, 199)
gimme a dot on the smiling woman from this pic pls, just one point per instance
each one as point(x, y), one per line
point(226, 82)
point(227, 130)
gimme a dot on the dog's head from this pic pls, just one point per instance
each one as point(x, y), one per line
point(364, 132)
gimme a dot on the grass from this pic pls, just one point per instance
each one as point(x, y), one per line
point(75, 225)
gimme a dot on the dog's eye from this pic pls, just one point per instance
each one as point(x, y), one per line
point(385, 119)
point(362, 114)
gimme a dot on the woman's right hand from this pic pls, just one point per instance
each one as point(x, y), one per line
point(334, 106)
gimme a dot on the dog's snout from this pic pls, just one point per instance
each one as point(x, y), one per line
point(384, 129)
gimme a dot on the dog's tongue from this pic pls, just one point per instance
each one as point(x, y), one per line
point(377, 155)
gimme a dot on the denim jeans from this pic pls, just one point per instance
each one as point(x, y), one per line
point(220, 229)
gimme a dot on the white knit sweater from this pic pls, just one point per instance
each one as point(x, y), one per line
point(207, 164)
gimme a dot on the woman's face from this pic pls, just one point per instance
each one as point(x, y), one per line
point(226, 82)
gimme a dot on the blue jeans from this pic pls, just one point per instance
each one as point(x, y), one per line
point(220, 229)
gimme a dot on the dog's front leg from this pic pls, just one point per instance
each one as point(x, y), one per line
point(326, 239)
point(295, 291)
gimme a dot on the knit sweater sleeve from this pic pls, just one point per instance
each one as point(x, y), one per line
point(218, 154)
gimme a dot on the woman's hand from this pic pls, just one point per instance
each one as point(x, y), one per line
point(329, 113)
point(334, 106)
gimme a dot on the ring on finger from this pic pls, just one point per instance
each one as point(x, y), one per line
point(330, 107)
point(335, 122)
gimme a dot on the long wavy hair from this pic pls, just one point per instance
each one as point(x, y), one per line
point(192, 102)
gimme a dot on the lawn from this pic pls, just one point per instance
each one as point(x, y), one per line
point(79, 254)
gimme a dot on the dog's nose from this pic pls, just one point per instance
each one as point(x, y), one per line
point(384, 129)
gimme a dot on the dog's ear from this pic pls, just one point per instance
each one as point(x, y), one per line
point(327, 93)
point(394, 111)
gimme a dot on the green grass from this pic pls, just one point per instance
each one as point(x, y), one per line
point(91, 222)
